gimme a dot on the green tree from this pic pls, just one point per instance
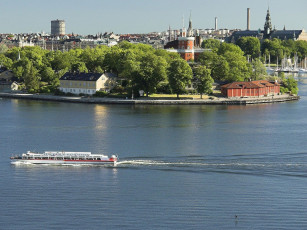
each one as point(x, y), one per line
point(35, 54)
point(5, 61)
point(229, 47)
point(250, 46)
point(79, 66)
point(61, 61)
point(301, 48)
point(47, 74)
point(217, 63)
point(290, 84)
point(13, 53)
point(114, 59)
point(208, 58)
point(19, 68)
point(150, 72)
point(275, 49)
point(202, 81)
point(212, 44)
point(31, 78)
point(179, 75)
point(259, 70)
point(94, 59)
point(239, 69)
point(220, 70)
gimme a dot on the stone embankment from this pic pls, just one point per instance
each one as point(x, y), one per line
point(150, 101)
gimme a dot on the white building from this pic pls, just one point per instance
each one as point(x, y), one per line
point(87, 83)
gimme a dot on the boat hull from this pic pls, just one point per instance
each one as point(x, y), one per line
point(63, 162)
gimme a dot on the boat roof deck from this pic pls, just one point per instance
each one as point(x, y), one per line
point(58, 153)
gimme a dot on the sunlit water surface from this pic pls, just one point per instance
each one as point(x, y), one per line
point(181, 167)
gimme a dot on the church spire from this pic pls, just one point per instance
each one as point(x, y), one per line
point(267, 24)
point(190, 29)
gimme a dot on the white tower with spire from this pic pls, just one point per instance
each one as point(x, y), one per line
point(190, 32)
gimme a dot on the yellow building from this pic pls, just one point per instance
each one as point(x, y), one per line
point(87, 83)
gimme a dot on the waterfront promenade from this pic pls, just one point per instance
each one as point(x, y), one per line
point(150, 101)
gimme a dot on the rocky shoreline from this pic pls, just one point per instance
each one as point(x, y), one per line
point(183, 101)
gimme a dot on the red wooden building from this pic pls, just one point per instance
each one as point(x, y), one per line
point(250, 89)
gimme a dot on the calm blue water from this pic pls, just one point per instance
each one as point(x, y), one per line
point(182, 167)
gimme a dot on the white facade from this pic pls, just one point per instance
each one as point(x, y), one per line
point(105, 82)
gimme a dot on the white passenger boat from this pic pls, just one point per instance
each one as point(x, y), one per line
point(65, 158)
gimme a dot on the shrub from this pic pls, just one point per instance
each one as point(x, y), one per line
point(100, 94)
point(283, 90)
point(58, 92)
point(45, 89)
point(118, 89)
point(31, 91)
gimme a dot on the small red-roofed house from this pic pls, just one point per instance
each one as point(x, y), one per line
point(250, 89)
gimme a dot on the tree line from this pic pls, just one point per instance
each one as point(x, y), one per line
point(275, 48)
point(139, 66)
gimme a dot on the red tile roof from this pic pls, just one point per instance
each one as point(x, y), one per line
point(249, 85)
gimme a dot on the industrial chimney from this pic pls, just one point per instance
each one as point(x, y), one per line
point(215, 24)
point(248, 18)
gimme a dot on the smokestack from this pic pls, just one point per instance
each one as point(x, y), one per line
point(248, 18)
point(215, 24)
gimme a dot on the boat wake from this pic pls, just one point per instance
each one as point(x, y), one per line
point(198, 166)
point(261, 168)
point(174, 164)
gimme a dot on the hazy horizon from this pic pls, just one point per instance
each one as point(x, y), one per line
point(137, 16)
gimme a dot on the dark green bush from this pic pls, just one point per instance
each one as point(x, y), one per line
point(100, 94)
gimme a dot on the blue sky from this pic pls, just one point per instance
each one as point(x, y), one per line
point(143, 16)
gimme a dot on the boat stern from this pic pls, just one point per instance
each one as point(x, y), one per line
point(113, 158)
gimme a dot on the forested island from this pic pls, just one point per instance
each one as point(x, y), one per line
point(141, 67)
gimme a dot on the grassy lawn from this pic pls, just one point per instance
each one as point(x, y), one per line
point(157, 96)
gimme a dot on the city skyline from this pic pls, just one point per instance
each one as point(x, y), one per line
point(137, 16)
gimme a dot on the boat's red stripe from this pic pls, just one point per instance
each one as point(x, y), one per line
point(92, 160)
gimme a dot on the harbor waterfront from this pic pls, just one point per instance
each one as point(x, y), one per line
point(150, 101)
point(180, 167)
